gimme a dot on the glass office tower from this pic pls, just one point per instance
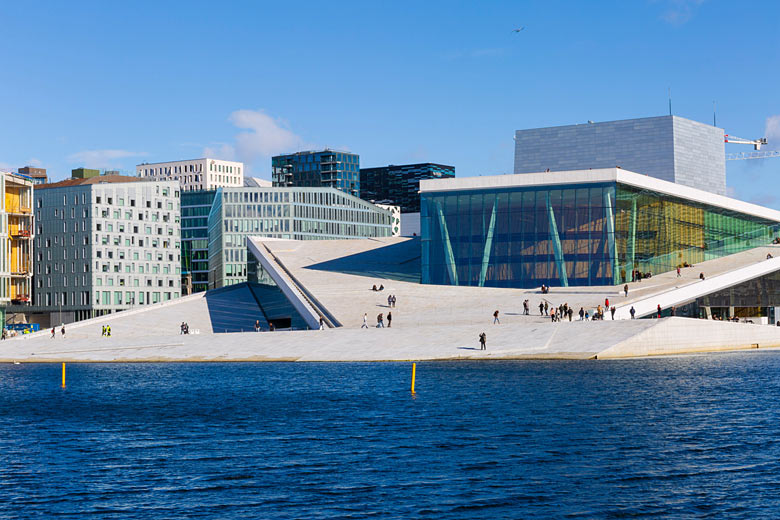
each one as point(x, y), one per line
point(589, 233)
point(326, 168)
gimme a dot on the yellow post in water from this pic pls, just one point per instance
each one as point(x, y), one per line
point(414, 371)
point(63, 375)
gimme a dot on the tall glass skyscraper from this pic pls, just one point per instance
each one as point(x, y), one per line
point(326, 169)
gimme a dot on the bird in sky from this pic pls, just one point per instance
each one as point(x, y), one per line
point(518, 29)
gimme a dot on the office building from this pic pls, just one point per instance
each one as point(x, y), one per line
point(292, 213)
point(195, 174)
point(399, 184)
point(586, 227)
point(105, 244)
point(38, 175)
point(670, 148)
point(195, 209)
point(322, 169)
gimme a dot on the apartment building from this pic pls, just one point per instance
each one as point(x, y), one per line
point(16, 241)
point(195, 174)
point(105, 244)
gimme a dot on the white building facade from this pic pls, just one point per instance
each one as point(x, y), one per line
point(195, 174)
point(105, 245)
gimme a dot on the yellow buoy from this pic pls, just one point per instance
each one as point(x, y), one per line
point(414, 373)
point(63, 375)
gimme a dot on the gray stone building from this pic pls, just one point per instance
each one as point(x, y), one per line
point(670, 148)
point(104, 244)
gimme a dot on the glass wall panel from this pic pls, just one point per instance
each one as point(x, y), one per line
point(607, 233)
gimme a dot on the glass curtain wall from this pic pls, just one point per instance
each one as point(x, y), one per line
point(519, 238)
point(656, 233)
point(595, 234)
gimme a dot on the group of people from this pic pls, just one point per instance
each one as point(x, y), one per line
point(184, 328)
point(380, 288)
point(54, 331)
point(391, 300)
point(106, 331)
point(380, 320)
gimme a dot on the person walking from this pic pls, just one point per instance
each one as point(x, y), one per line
point(394, 299)
point(322, 323)
point(483, 341)
point(633, 312)
point(62, 331)
point(525, 307)
point(389, 300)
point(701, 276)
point(612, 310)
point(606, 303)
point(678, 272)
point(625, 290)
point(108, 331)
point(659, 310)
point(495, 318)
point(582, 314)
point(53, 333)
point(257, 325)
point(380, 324)
point(570, 312)
point(103, 333)
point(389, 319)
point(365, 321)
point(541, 309)
point(545, 307)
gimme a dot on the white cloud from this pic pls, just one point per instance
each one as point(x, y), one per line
point(679, 12)
point(772, 131)
point(262, 137)
point(36, 163)
point(102, 158)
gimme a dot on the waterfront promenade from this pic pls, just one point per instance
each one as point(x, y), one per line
point(429, 322)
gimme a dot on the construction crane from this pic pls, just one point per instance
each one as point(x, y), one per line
point(757, 144)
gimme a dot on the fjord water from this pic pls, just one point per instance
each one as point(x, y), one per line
point(695, 436)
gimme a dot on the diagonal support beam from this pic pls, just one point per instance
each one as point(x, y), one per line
point(611, 244)
point(449, 257)
point(556, 242)
point(488, 244)
point(631, 246)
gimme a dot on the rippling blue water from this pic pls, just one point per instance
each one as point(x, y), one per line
point(675, 437)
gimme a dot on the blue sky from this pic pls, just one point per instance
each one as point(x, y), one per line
point(109, 84)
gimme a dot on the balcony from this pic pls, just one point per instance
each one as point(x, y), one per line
point(21, 233)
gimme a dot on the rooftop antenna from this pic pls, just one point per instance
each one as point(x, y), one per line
point(670, 100)
point(714, 119)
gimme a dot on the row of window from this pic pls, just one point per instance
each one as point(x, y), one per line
point(104, 298)
point(86, 281)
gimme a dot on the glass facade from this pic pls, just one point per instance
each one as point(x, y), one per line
point(195, 209)
point(291, 213)
point(327, 168)
point(589, 234)
point(399, 185)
